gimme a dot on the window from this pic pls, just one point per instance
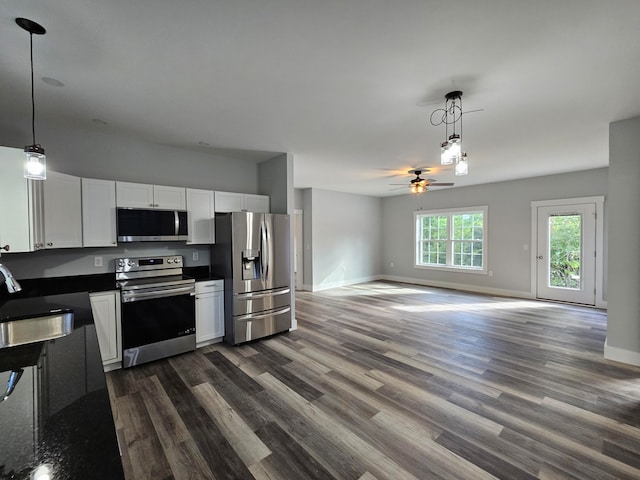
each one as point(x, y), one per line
point(451, 239)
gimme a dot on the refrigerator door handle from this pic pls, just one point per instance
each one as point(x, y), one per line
point(253, 316)
point(264, 250)
point(270, 293)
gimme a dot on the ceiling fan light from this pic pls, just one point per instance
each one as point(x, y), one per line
point(35, 165)
point(462, 167)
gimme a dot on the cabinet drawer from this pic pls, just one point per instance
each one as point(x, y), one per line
point(209, 286)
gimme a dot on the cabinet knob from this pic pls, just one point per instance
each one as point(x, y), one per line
point(113, 243)
point(6, 248)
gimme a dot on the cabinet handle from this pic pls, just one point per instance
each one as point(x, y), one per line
point(6, 248)
point(50, 244)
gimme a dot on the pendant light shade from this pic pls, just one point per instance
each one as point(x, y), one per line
point(35, 165)
point(462, 167)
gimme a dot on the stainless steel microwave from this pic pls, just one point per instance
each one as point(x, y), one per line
point(151, 225)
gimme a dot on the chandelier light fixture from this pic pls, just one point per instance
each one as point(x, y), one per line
point(451, 149)
point(35, 166)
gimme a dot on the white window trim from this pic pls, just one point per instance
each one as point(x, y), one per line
point(484, 209)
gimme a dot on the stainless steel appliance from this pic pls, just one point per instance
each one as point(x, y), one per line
point(252, 254)
point(157, 310)
point(151, 225)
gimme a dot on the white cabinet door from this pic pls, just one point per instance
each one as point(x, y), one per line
point(228, 202)
point(201, 212)
point(209, 310)
point(14, 202)
point(98, 213)
point(134, 195)
point(106, 316)
point(142, 195)
point(218, 314)
point(169, 198)
point(256, 203)
point(62, 211)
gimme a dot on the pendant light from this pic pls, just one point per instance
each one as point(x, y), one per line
point(35, 165)
point(451, 149)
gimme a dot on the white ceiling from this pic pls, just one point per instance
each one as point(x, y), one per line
point(347, 86)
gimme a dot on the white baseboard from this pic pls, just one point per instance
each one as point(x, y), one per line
point(344, 283)
point(460, 286)
point(621, 355)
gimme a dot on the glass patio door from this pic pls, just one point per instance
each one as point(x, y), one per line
point(566, 253)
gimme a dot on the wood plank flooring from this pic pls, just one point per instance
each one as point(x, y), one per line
point(390, 381)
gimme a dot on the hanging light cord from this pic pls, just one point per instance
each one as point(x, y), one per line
point(33, 102)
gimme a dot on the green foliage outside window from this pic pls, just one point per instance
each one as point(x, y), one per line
point(565, 248)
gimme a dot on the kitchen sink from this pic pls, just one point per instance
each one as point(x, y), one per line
point(36, 328)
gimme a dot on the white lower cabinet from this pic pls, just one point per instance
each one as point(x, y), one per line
point(209, 310)
point(106, 316)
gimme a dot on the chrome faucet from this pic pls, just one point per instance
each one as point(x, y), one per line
point(12, 284)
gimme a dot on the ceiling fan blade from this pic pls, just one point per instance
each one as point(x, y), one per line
point(441, 184)
point(405, 184)
point(397, 188)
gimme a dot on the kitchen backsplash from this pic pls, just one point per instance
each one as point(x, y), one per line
point(67, 262)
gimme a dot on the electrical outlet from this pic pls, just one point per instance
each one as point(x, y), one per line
point(97, 261)
point(196, 256)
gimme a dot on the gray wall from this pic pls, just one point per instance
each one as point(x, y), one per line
point(623, 331)
point(275, 178)
point(117, 157)
point(346, 238)
point(509, 228)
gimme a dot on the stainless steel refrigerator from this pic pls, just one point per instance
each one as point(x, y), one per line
point(252, 254)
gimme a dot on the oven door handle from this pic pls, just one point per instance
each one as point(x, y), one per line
point(133, 296)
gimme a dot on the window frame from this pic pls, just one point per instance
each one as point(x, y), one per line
point(449, 212)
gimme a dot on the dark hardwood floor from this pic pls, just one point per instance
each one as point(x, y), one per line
point(391, 381)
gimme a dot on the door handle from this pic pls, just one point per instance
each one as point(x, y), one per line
point(539, 257)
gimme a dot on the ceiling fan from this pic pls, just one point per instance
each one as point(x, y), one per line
point(419, 184)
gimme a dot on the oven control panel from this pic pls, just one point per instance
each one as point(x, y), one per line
point(147, 263)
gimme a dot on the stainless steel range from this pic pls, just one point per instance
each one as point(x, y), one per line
point(157, 310)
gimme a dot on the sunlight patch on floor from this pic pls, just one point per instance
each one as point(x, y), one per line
point(466, 307)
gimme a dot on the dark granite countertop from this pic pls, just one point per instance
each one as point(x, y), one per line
point(58, 417)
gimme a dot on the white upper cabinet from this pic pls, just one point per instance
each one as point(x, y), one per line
point(142, 195)
point(25, 224)
point(134, 195)
point(15, 202)
point(169, 198)
point(256, 203)
point(62, 211)
point(201, 212)
point(237, 202)
point(228, 202)
point(98, 213)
